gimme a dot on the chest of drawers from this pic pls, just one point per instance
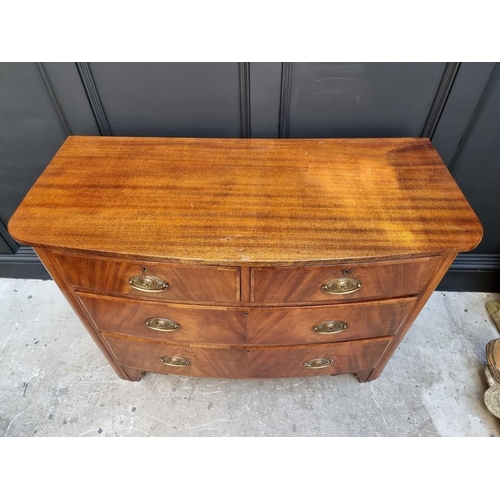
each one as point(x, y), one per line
point(246, 258)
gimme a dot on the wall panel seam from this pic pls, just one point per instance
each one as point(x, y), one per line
point(285, 92)
point(93, 96)
point(474, 117)
point(440, 99)
point(245, 112)
point(57, 106)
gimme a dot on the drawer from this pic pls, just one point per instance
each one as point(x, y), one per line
point(332, 323)
point(202, 324)
point(251, 325)
point(345, 357)
point(349, 282)
point(184, 283)
point(144, 355)
point(254, 362)
point(257, 326)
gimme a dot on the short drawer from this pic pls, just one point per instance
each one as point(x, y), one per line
point(171, 322)
point(248, 362)
point(153, 280)
point(348, 282)
point(321, 324)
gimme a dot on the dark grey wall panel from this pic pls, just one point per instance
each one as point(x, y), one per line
point(265, 84)
point(23, 265)
point(72, 98)
point(7, 243)
point(473, 272)
point(30, 132)
point(4, 248)
point(477, 167)
point(462, 101)
point(170, 99)
point(361, 99)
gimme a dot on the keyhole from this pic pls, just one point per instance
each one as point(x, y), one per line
point(144, 270)
point(346, 271)
point(246, 315)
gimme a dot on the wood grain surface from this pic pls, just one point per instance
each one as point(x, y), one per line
point(200, 324)
point(248, 362)
point(294, 325)
point(57, 273)
point(432, 282)
point(185, 283)
point(246, 326)
point(304, 284)
point(245, 233)
point(238, 201)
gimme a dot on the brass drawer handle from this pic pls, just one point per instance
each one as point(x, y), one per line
point(147, 283)
point(174, 361)
point(341, 286)
point(318, 363)
point(162, 324)
point(329, 327)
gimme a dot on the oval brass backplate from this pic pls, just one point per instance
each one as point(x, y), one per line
point(147, 283)
point(174, 361)
point(162, 324)
point(329, 327)
point(341, 286)
point(318, 363)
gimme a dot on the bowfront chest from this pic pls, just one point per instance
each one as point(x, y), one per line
point(246, 258)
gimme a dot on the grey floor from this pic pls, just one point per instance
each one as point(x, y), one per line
point(55, 382)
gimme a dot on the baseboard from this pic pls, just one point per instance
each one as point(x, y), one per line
point(468, 273)
point(473, 273)
point(24, 264)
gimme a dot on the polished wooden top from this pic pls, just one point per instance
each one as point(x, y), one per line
point(237, 201)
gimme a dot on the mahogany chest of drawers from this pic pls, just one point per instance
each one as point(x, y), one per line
point(246, 258)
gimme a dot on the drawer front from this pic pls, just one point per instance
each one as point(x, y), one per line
point(184, 283)
point(250, 362)
point(252, 325)
point(321, 324)
point(145, 355)
point(203, 324)
point(348, 282)
point(343, 357)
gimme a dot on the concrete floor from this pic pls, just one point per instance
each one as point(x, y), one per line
point(55, 382)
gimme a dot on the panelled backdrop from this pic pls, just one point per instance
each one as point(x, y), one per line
point(456, 105)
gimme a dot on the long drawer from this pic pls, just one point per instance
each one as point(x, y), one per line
point(153, 280)
point(248, 362)
point(348, 282)
point(252, 325)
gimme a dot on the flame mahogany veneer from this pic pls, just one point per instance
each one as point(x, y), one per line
point(272, 258)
